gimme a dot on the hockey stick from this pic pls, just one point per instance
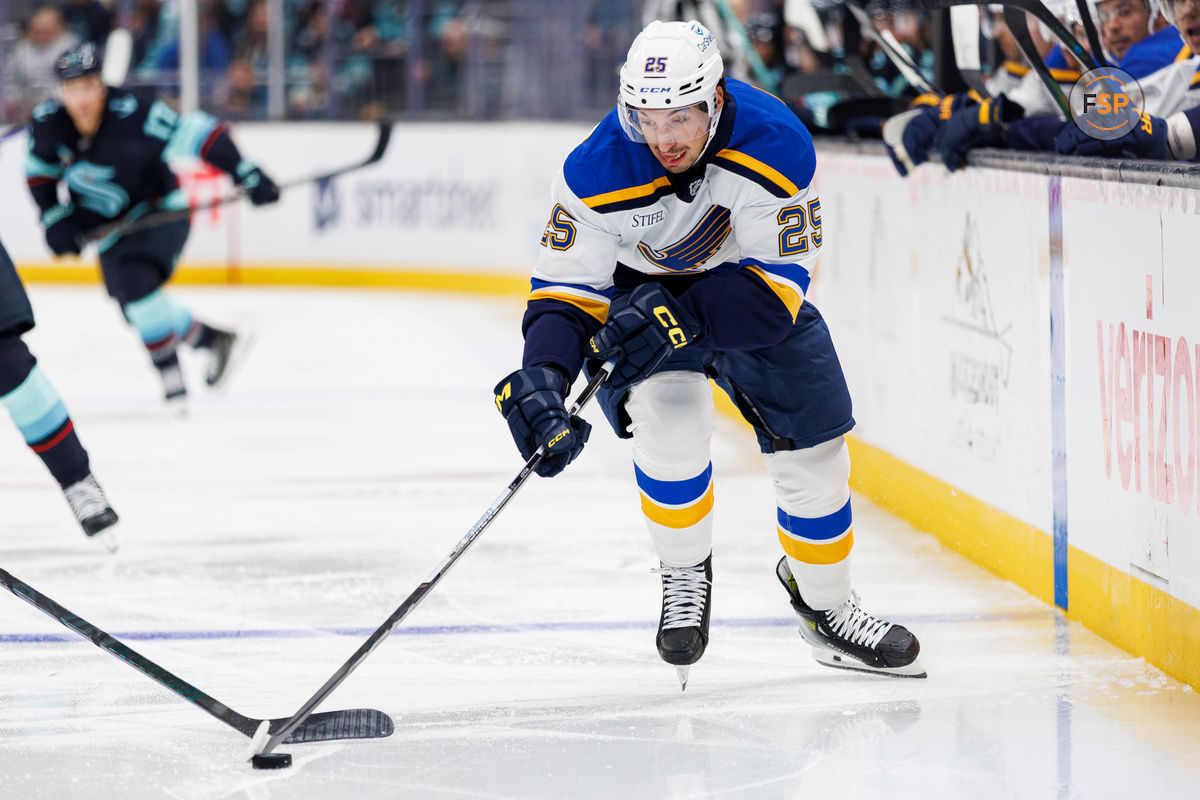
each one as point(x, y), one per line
point(1018, 26)
point(734, 24)
point(964, 36)
point(414, 599)
point(1037, 9)
point(892, 49)
point(1089, 28)
point(355, 723)
point(161, 216)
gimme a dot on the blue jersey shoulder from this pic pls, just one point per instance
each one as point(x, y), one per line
point(768, 144)
point(609, 172)
point(1151, 54)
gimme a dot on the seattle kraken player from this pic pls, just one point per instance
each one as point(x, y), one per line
point(681, 242)
point(111, 147)
point(39, 414)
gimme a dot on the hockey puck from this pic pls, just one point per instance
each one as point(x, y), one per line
point(271, 761)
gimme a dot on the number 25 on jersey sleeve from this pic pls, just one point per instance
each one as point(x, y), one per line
point(560, 230)
point(793, 240)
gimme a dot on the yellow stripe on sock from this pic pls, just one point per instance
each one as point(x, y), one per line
point(809, 553)
point(678, 517)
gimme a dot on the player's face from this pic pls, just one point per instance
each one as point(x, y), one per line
point(676, 136)
point(1187, 20)
point(1123, 23)
point(84, 101)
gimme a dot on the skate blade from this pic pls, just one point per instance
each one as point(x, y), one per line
point(177, 406)
point(106, 538)
point(682, 674)
point(237, 357)
point(831, 658)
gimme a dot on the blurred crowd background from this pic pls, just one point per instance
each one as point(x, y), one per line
point(438, 59)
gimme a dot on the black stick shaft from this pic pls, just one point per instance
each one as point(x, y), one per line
point(163, 216)
point(130, 656)
point(1018, 25)
point(439, 572)
point(358, 723)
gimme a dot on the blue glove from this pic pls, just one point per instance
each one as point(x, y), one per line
point(63, 236)
point(255, 183)
point(909, 136)
point(532, 401)
point(1148, 139)
point(975, 126)
point(642, 333)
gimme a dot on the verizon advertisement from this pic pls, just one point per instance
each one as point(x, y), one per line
point(1133, 404)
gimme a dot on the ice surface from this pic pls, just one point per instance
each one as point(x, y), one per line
point(266, 536)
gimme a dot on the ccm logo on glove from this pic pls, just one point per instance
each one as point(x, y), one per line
point(675, 333)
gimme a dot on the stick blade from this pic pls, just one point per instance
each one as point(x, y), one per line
point(385, 136)
point(118, 49)
point(352, 723)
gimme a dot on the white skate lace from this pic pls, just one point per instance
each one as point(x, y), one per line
point(855, 625)
point(685, 593)
point(86, 498)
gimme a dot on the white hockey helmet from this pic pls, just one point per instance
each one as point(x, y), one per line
point(670, 65)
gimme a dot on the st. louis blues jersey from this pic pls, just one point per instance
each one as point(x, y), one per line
point(735, 237)
point(122, 169)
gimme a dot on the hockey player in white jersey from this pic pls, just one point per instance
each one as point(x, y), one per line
point(681, 242)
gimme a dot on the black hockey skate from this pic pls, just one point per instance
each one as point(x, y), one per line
point(847, 637)
point(92, 510)
point(224, 353)
point(683, 625)
point(174, 387)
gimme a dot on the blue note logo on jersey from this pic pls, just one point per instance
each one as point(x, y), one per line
point(327, 205)
point(700, 243)
point(93, 185)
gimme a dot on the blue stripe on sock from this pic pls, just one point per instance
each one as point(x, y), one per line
point(35, 407)
point(181, 318)
point(819, 528)
point(154, 316)
point(674, 493)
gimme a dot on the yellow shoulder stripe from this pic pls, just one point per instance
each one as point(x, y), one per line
point(1064, 75)
point(595, 308)
point(1016, 68)
point(1184, 53)
point(770, 173)
point(626, 194)
point(787, 295)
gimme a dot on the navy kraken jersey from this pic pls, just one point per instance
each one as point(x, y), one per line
point(122, 169)
point(735, 237)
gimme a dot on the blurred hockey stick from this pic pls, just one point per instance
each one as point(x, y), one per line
point(763, 75)
point(1018, 24)
point(355, 723)
point(162, 216)
point(892, 49)
point(267, 745)
point(1089, 28)
point(964, 35)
